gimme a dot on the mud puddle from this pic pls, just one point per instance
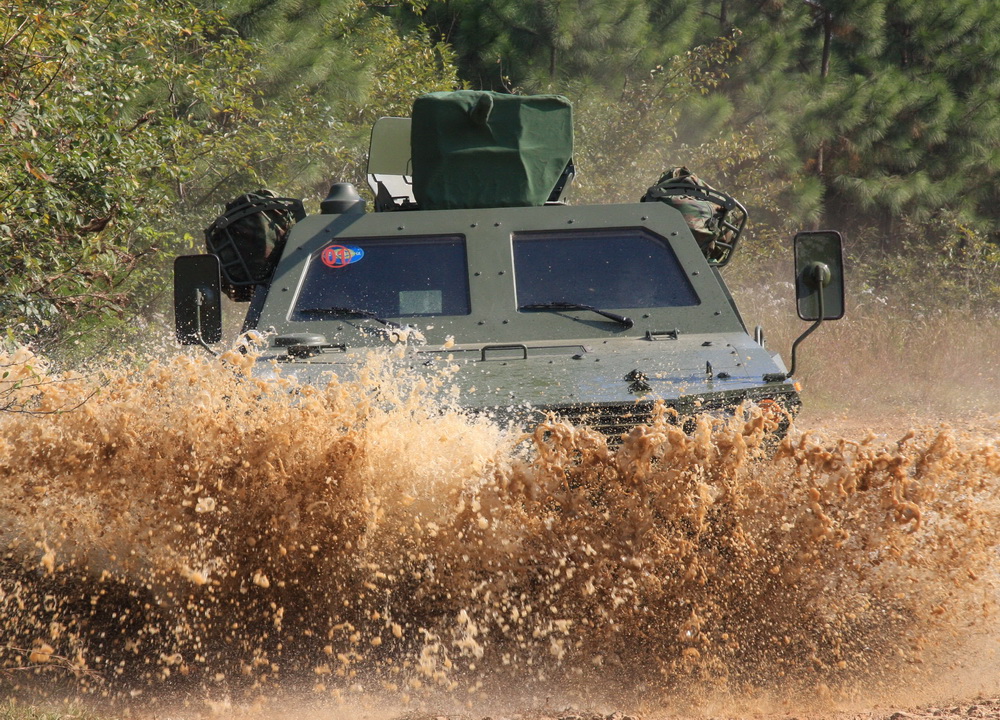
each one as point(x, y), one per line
point(180, 532)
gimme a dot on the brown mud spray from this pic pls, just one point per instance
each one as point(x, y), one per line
point(185, 527)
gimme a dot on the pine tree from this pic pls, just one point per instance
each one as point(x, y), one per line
point(891, 104)
point(917, 117)
point(306, 44)
point(533, 44)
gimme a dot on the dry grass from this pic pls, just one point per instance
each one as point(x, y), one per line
point(887, 356)
point(11, 710)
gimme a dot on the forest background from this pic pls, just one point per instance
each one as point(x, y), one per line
point(125, 126)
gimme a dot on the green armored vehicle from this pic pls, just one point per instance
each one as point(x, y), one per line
point(471, 255)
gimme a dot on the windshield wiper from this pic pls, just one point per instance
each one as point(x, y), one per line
point(346, 311)
point(621, 319)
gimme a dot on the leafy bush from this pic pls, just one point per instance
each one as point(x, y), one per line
point(124, 127)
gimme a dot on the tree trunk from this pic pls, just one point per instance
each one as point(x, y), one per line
point(824, 70)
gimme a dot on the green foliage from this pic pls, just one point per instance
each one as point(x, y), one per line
point(531, 44)
point(641, 125)
point(82, 169)
point(401, 66)
point(124, 127)
point(674, 117)
point(313, 36)
point(325, 70)
point(899, 122)
point(941, 263)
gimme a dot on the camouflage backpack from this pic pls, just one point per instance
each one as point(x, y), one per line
point(248, 238)
point(705, 210)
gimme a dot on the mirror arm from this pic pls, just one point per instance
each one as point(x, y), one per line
point(199, 300)
point(803, 336)
point(821, 276)
point(795, 345)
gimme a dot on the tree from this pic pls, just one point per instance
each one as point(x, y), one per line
point(77, 219)
point(673, 117)
point(125, 127)
point(537, 44)
point(890, 104)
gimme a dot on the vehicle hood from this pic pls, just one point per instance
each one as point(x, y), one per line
point(562, 373)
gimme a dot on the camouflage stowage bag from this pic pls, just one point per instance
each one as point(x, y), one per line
point(248, 237)
point(703, 216)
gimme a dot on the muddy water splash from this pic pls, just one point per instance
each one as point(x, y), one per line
point(184, 526)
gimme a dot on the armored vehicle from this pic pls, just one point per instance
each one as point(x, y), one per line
point(592, 312)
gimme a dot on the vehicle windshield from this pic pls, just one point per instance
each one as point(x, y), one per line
point(399, 277)
point(630, 268)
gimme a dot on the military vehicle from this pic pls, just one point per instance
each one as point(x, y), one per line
point(594, 312)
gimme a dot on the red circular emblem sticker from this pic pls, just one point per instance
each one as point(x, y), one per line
point(337, 256)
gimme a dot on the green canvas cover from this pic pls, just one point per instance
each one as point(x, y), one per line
point(473, 149)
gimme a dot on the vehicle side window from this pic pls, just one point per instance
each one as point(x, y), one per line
point(627, 268)
point(398, 277)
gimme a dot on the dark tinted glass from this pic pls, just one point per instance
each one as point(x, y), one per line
point(405, 277)
point(607, 269)
point(825, 247)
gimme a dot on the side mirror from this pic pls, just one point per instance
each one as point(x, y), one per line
point(198, 299)
point(819, 284)
point(819, 275)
